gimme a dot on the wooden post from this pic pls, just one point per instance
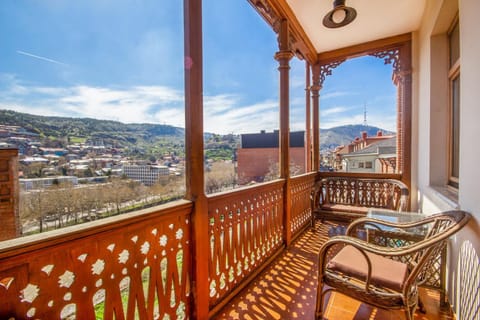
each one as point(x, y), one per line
point(283, 57)
point(308, 120)
point(194, 174)
point(9, 216)
point(315, 90)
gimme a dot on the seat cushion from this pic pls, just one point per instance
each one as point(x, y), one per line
point(344, 208)
point(385, 272)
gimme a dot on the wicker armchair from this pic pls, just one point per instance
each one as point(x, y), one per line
point(384, 276)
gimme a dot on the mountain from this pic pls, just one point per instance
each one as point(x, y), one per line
point(54, 126)
point(141, 139)
point(65, 127)
point(343, 135)
point(152, 138)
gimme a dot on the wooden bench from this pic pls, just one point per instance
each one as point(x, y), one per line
point(347, 198)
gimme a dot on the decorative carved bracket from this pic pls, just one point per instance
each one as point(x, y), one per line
point(324, 71)
point(391, 56)
point(268, 13)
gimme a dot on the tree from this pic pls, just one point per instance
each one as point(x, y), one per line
point(221, 176)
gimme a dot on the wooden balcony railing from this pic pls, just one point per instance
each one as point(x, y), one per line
point(138, 265)
point(349, 196)
point(301, 210)
point(132, 266)
point(246, 229)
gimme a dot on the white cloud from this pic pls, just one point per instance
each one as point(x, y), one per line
point(242, 119)
point(341, 121)
point(223, 113)
point(332, 111)
point(129, 105)
point(335, 94)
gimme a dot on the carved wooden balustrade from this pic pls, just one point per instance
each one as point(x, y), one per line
point(132, 266)
point(246, 229)
point(349, 196)
point(138, 265)
point(301, 210)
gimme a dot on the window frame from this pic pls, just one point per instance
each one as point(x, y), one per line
point(453, 138)
point(397, 51)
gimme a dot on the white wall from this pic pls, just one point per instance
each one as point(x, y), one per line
point(430, 113)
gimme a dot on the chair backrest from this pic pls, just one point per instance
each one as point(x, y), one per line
point(443, 226)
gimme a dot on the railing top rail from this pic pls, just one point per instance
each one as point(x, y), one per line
point(365, 175)
point(234, 193)
point(304, 175)
point(13, 247)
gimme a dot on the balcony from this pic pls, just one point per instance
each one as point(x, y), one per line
point(140, 265)
point(250, 253)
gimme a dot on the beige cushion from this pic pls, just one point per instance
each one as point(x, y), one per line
point(344, 208)
point(385, 272)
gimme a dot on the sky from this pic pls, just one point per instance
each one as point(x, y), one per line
point(123, 60)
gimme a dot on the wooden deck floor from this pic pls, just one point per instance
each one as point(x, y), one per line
point(287, 290)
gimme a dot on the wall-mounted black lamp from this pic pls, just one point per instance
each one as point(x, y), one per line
point(340, 16)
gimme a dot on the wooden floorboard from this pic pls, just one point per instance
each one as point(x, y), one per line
point(287, 290)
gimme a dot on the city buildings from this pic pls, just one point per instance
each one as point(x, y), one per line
point(146, 174)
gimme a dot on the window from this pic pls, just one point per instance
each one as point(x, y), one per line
point(110, 87)
point(374, 121)
point(454, 105)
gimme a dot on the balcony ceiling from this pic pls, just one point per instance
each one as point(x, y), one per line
point(376, 19)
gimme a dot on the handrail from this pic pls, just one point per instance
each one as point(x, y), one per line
point(21, 245)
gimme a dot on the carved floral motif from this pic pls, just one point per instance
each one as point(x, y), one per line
point(391, 56)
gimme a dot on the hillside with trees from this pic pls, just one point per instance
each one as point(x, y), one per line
point(141, 139)
point(146, 139)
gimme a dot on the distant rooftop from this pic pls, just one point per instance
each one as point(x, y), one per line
point(271, 139)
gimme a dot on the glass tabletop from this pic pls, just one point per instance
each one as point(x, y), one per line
point(395, 216)
point(399, 217)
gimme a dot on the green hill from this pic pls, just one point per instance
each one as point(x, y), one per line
point(138, 139)
point(141, 138)
point(152, 139)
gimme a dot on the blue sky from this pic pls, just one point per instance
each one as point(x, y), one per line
point(123, 60)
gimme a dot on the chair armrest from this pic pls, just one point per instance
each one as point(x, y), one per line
point(378, 224)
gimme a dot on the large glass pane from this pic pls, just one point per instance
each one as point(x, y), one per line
point(298, 139)
point(358, 118)
point(455, 133)
point(241, 117)
point(91, 94)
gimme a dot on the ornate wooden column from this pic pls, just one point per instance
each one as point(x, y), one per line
point(319, 72)
point(9, 216)
point(402, 78)
point(194, 174)
point(315, 91)
point(400, 58)
point(308, 120)
point(283, 57)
